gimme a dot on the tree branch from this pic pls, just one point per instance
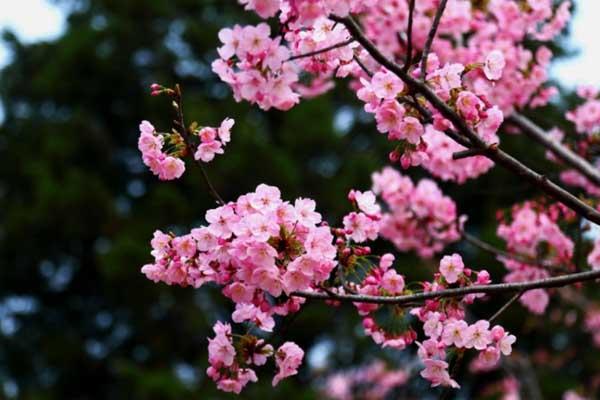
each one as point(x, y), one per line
point(505, 306)
point(498, 156)
point(409, 41)
point(432, 32)
point(180, 123)
point(323, 50)
point(546, 283)
point(563, 153)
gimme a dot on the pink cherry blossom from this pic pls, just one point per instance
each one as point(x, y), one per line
point(451, 267)
point(494, 65)
point(288, 358)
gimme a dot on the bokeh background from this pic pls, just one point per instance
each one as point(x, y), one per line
point(78, 208)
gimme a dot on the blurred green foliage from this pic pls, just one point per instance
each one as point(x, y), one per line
point(77, 319)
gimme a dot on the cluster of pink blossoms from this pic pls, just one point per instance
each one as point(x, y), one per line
point(163, 152)
point(258, 248)
point(166, 166)
point(213, 140)
point(255, 246)
point(500, 25)
point(443, 320)
point(383, 280)
point(372, 381)
point(489, 65)
point(586, 116)
point(402, 123)
point(533, 232)
point(446, 329)
point(420, 217)
point(256, 67)
point(230, 362)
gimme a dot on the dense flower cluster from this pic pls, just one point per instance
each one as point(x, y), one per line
point(420, 217)
point(255, 67)
point(258, 248)
point(403, 122)
point(263, 251)
point(230, 359)
point(212, 140)
point(534, 233)
point(492, 29)
point(163, 152)
point(372, 381)
point(482, 76)
point(166, 165)
point(446, 329)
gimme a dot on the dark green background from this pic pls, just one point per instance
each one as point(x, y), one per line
point(78, 208)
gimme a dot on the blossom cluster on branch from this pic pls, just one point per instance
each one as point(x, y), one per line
point(441, 80)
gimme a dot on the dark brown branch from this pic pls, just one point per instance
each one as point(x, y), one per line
point(563, 153)
point(432, 32)
point(554, 282)
point(498, 156)
point(321, 51)
point(409, 30)
point(459, 155)
point(362, 66)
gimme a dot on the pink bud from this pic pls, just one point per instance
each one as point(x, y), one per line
point(405, 161)
point(483, 277)
point(497, 332)
point(368, 323)
point(352, 195)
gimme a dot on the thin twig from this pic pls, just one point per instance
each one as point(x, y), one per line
point(475, 241)
point(362, 66)
point(516, 297)
point(558, 281)
point(562, 152)
point(323, 50)
point(431, 37)
point(180, 122)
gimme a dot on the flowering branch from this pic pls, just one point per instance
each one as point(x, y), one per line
point(562, 152)
point(559, 281)
point(501, 253)
point(496, 155)
point(430, 38)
